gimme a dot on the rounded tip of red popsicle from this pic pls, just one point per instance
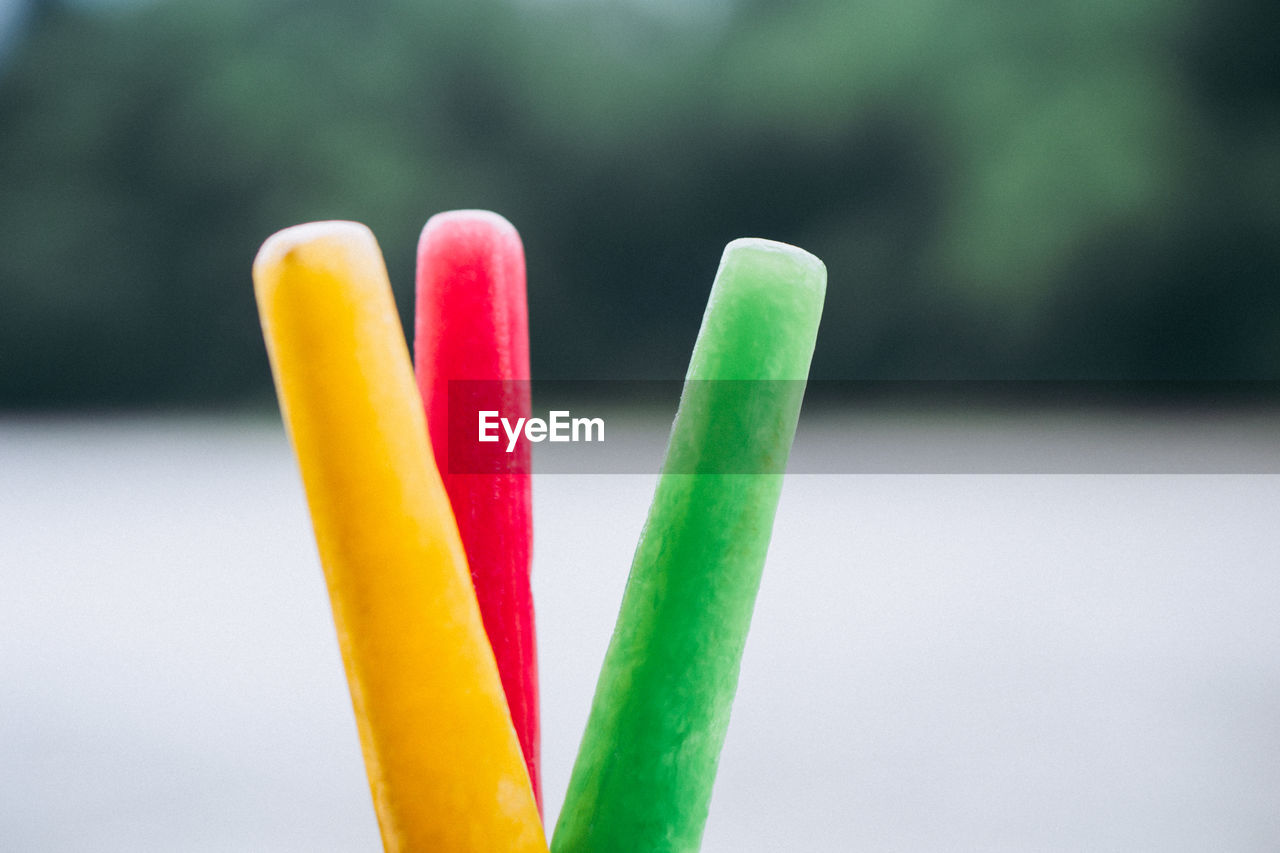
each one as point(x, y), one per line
point(472, 221)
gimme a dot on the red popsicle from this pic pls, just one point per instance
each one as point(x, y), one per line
point(472, 324)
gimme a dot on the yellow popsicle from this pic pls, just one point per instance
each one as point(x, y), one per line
point(444, 764)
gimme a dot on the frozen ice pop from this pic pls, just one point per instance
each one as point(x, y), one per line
point(471, 323)
point(645, 769)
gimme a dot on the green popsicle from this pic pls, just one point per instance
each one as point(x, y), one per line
point(645, 769)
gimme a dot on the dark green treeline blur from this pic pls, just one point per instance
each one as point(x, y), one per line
point(1059, 189)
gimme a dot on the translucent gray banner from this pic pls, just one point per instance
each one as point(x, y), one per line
point(869, 427)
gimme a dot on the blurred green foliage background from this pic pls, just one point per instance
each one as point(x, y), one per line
point(1061, 189)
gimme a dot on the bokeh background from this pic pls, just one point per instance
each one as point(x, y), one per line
point(951, 660)
point(1052, 190)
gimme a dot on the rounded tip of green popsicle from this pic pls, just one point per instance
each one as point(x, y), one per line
point(289, 243)
point(791, 262)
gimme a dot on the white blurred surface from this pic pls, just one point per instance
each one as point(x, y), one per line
point(950, 662)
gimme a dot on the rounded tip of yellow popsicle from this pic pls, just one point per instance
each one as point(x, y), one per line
point(312, 244)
